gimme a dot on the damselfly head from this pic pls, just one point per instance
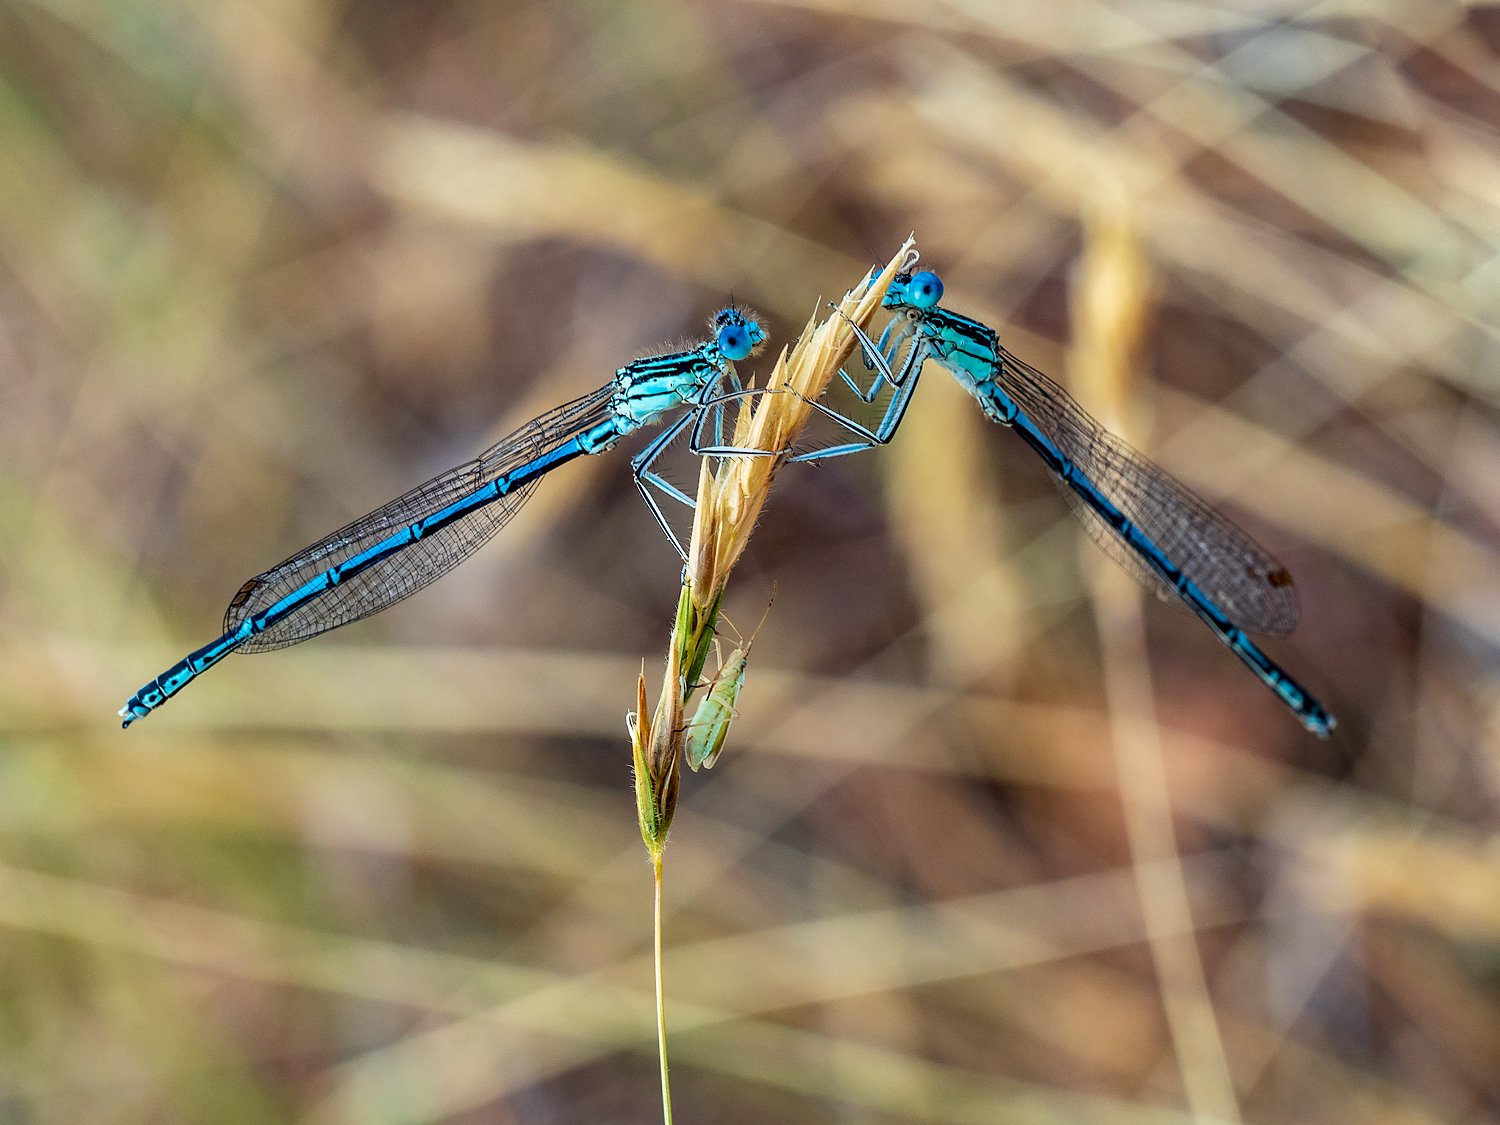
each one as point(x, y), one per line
point(921, 290)
point(895, 296)
point(737, 332)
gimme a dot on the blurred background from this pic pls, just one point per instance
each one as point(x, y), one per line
point(991, 841)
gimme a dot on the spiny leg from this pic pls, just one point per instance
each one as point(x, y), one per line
point(641, 467)
point(647, 478)
point(904, 382)
point(885, 350)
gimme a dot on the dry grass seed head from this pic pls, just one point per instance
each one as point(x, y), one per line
point(730, 497)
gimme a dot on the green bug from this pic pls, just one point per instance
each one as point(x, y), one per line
point(704, 735)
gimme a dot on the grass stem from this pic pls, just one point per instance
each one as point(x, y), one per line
point(661, 1007)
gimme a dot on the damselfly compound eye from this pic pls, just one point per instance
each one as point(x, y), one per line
point(735, 341)
point(924, 290)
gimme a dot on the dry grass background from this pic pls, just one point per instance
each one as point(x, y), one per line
point(986, 845)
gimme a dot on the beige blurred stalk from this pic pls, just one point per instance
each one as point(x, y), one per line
point(1112, 302)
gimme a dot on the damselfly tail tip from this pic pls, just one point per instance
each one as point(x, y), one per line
point(128, 715)
point(1321, 723)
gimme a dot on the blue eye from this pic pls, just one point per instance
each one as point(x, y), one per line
point(735, 341)
point(924, 290)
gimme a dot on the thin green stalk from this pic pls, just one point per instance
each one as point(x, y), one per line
point(661, 1007)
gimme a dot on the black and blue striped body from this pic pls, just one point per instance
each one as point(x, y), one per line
point(175, 678)
point(1311, 713)
point(401, 547)
point(1149, 522)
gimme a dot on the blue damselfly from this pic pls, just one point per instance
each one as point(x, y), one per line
point(418, 537)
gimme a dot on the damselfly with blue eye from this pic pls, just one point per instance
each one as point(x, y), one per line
point(418, 537)
point(1171, 541)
